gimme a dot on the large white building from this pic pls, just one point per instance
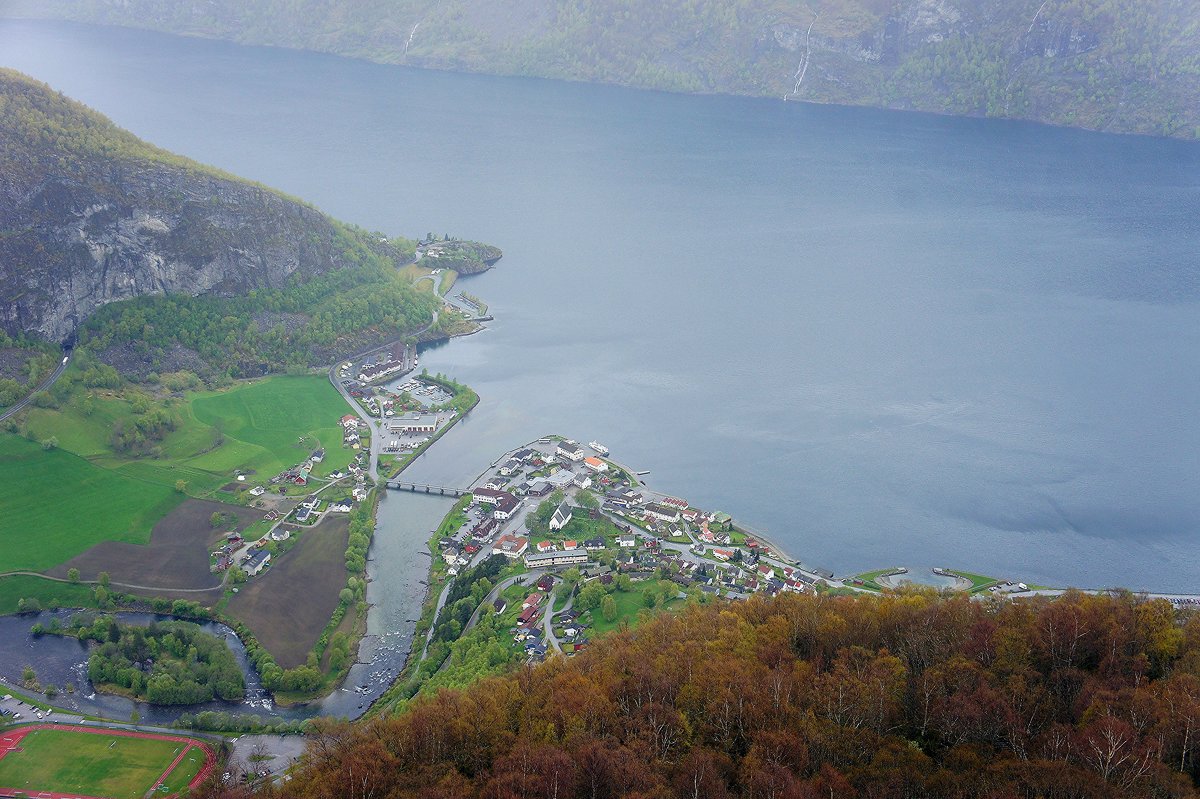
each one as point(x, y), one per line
point(413, 423)
point(535, 560)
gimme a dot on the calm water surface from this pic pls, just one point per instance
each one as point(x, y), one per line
point(883, 338)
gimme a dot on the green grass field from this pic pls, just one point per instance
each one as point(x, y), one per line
point(60, 502)
point(185, 772)
point(264, 424)
point(66, 761)
point(18, 587)
point(629, 607)
point(57, 505)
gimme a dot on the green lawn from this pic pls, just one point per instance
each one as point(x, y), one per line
point(272, 424)
point(17, 587)
point(57, 505)
point(629, 605)
point(68, 761)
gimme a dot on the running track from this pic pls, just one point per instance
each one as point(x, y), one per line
point(12, 739)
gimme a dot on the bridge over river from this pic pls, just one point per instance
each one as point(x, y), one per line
point(422, 488)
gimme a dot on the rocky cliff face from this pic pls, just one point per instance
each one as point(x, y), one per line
point(84, 226)
point(1118, 65)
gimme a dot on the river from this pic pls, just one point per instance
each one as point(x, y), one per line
point(883, 338)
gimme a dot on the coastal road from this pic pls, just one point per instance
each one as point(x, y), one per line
point(45, 384)
point(376, 438)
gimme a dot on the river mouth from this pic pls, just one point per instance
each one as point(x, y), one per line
point(396, 570)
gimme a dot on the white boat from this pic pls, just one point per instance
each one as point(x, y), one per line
point(600, 448)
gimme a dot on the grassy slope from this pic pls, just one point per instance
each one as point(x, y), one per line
point(61, 502)
point(77, 762)
point(265, 421)
point(18, 587)
point(58, 505)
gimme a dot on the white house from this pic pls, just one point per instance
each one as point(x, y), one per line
point(561, 517)
point(506, 506)
point(595, 464)
point(570, 450)
point(510, 546)
point(256, 562)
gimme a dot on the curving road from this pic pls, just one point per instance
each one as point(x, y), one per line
point(49, 381)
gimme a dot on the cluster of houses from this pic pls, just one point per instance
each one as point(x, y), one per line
point(377, 371)
point(352, 430)
point(249, 557)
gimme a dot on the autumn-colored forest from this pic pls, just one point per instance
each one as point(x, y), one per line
point(799, 697)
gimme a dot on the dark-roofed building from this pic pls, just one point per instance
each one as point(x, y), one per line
point(561, 517)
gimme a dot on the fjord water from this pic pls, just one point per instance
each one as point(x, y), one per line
point(883, 338)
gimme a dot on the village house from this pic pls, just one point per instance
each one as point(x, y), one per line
point(489, 496)
point(569, 450)
point(317, 456)
point(510, 546)
point(257, 491)
point(545, 546)
point(675, 502)
point(560, 479)
point(341, 506)
point(350, 422)
point(561, 517)
point(722, 554)
point(570, 545)
point(506, 506)
point(661, 512)
point(372, 373)
point(594, 544)
point(510, 467)
point(533, 600)
point(256, 562)
point(627, 540)
point(595, 464)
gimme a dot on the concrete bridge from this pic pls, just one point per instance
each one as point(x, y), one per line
point(422, 488)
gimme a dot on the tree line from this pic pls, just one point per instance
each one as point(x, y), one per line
point(908, 695)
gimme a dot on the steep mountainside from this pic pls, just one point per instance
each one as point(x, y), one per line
point(1116, 65)
point(90, 214)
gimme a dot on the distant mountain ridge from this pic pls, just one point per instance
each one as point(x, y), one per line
point(1128, 66)
point(90, 215)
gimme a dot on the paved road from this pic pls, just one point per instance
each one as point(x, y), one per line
point(49, 381)
point(548, 619)
point(376, 439)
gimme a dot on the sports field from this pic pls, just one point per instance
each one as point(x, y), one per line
point(98, 763)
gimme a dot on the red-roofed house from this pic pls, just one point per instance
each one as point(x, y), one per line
point(595, 464)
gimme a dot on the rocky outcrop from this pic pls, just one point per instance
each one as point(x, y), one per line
point(464, 257)
point(89, 222)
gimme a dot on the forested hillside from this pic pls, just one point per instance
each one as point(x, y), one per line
point(1116, 65)
point(221, 271)
point(800, 697)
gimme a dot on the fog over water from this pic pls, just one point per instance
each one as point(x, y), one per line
point(883, 338)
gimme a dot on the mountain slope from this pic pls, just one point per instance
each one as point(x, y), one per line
point(1116, 65)
point(804, 697)
point(90, 215)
